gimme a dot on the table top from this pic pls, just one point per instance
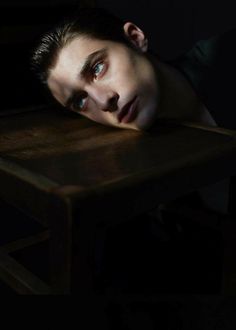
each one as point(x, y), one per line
point(52, 149)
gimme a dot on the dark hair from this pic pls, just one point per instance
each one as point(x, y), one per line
point(93, 22)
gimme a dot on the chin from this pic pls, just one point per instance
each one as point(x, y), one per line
point(144, 125)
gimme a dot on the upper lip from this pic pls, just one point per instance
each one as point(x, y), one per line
point(125, 109)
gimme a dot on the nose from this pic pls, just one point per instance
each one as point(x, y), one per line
point(106, 100)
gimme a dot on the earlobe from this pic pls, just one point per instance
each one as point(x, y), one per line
point(136, 36)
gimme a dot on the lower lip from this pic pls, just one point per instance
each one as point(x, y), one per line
point(131, 114)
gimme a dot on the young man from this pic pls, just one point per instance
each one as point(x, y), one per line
point(100, 67)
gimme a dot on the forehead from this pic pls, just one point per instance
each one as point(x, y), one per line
point(80, 48)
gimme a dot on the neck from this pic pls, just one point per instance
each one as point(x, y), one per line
point(178, 100)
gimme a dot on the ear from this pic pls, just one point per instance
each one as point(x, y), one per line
point(136, 36)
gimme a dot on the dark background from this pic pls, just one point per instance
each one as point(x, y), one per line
point(172, 26)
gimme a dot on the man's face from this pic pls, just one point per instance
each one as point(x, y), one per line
point(106, 82)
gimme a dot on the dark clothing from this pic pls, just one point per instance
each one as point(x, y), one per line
point(210, 67)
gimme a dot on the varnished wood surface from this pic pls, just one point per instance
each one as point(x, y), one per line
point(72, 151)
point(48, 151)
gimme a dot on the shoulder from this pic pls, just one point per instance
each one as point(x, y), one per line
point(218, 48)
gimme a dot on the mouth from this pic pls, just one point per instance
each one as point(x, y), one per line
point(129, 112)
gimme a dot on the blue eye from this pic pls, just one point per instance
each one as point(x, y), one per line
point(98, 69)
point(79, 103)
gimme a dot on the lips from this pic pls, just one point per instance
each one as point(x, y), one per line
point(128, 112)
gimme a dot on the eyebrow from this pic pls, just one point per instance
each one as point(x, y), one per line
point(90, 59)
point(85, 68)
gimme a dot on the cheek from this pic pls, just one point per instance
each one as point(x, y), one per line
point(122, 74)
point(127, 84)
point(131, 80)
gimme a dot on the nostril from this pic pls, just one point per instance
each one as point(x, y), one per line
point(112, 104)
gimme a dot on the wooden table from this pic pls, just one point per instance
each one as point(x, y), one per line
point(73, 175)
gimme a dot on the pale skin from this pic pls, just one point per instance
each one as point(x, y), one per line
point(114, 85)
